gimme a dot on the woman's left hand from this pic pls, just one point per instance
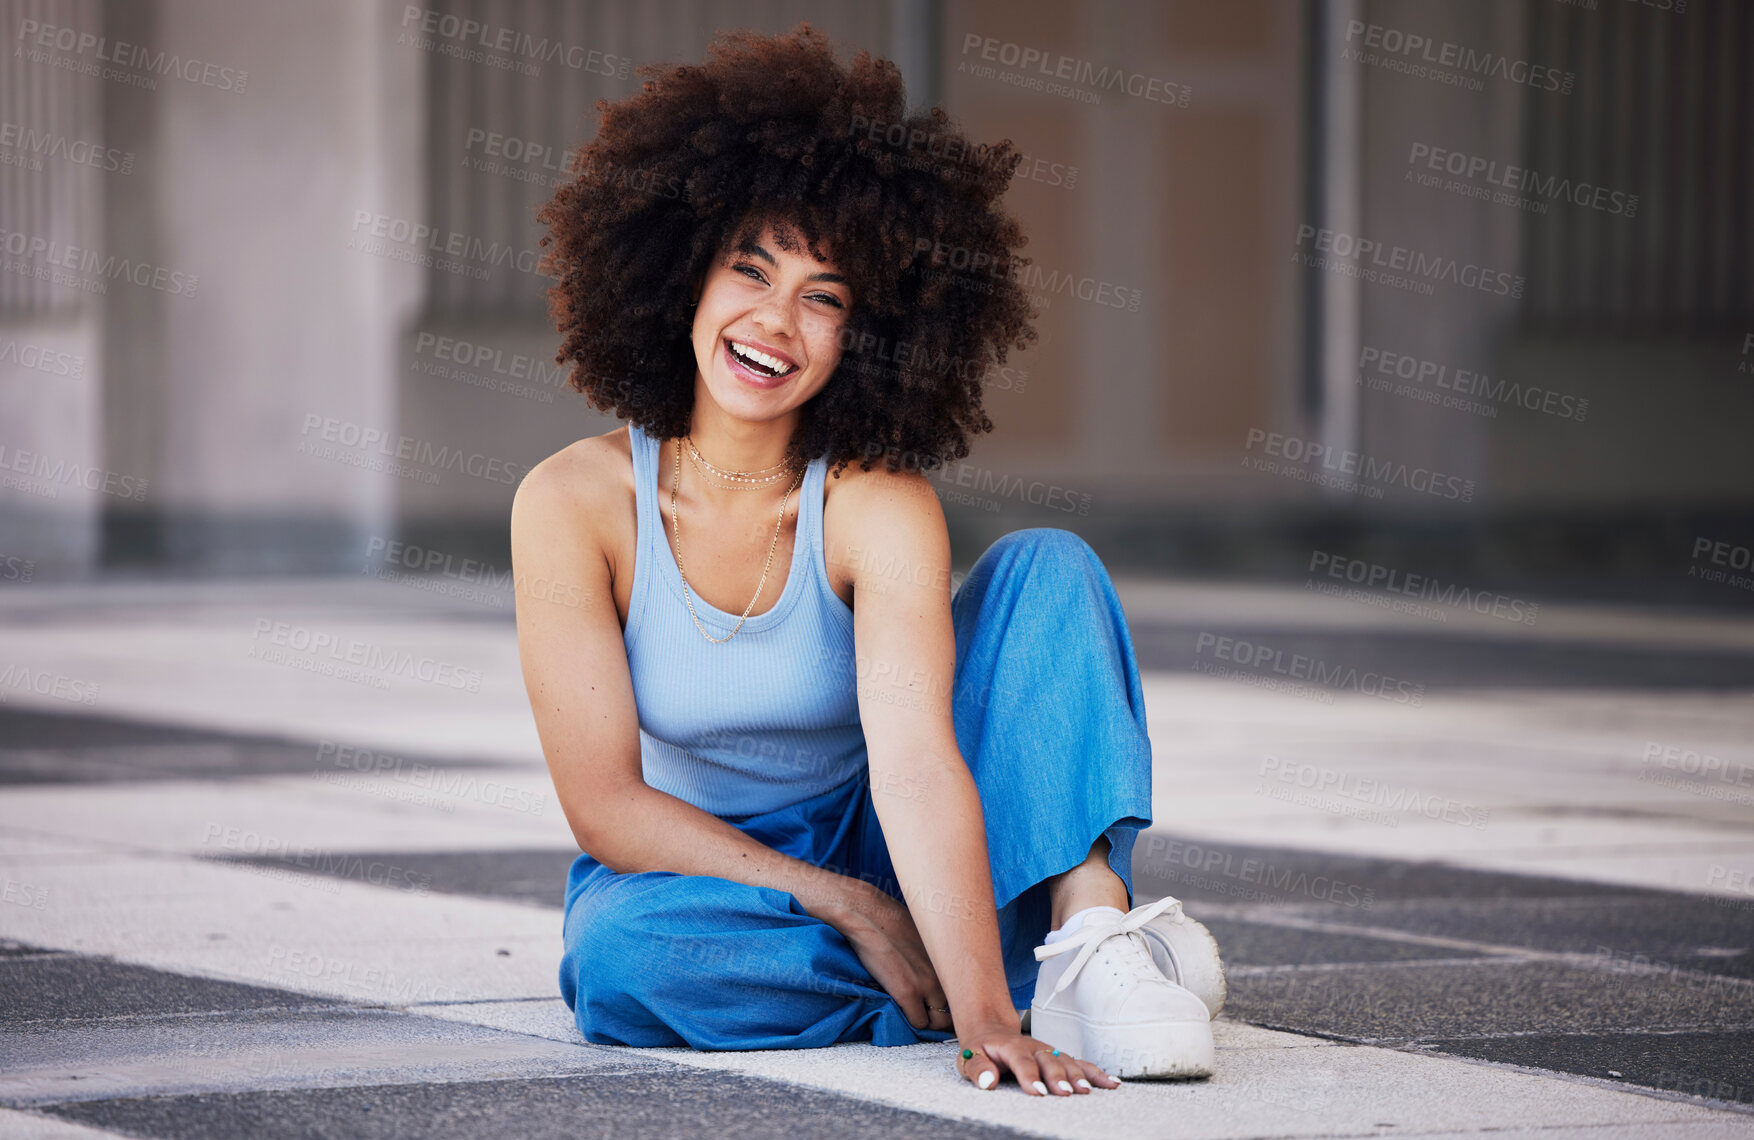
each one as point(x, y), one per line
point(1039, 1068)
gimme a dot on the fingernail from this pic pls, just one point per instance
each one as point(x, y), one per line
point(1082, 1083)
point(1065, 1086)
point(1041, 1088)
point(988, 1079)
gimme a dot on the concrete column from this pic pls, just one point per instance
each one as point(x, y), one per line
point(252, 185)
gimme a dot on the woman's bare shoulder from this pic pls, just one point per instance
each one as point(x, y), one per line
point(872, 517)
point(582, 484)
point(863, 492)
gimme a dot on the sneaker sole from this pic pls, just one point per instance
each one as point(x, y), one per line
point(1164, 1049)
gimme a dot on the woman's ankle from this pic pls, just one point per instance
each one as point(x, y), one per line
point(1090, 883)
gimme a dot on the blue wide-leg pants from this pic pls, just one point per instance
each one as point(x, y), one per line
point(1050, 717)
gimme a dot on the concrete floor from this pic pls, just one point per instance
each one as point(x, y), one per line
point(1508, 893)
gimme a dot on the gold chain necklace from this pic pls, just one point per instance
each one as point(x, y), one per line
point(755, 478)
point(676, 528)
point(708, 479)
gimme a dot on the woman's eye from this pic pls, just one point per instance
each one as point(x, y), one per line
point(750, 271)
point(830, 299)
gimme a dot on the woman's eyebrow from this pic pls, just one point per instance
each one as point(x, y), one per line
point(754, 249)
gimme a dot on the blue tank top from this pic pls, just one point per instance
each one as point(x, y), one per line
point(764, 720)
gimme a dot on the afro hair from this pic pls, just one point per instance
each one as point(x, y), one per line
point(773, 130)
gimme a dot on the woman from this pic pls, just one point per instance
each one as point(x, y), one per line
point(786, 751)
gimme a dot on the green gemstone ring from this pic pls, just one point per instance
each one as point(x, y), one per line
point(967, 1053)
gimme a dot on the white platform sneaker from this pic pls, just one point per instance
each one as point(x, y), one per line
point(1101, 996)
point(1186, 952)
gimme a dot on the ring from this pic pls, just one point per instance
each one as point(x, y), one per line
point(937, 1009)
point(1055, 1052)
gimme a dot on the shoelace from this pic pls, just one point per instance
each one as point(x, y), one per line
point(1091, 934)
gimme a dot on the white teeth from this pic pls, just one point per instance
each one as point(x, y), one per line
point(761, 358)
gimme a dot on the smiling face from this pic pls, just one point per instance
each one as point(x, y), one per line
point(767, 328)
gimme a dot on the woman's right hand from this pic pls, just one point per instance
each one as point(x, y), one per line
point(1039, 1067)
point(883, 935)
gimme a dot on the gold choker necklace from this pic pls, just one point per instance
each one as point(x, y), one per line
point(745, 486)
point(757, 477)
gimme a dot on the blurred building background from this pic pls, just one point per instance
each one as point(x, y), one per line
point(270, 299)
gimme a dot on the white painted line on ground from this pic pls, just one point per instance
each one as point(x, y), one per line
point(1268, 1084)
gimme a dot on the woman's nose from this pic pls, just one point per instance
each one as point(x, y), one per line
point(775, 316)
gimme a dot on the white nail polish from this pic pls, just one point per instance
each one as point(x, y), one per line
point(1041, 1088)
point(988, 1079)
point(1082, 1083)
point(1065, 1086)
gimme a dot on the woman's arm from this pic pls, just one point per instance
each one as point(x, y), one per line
point(925, 796)
point(575, 671)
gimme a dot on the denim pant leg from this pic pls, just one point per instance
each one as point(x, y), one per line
point(660, 959)
point(1050, 716)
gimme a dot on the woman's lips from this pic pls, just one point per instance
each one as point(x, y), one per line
point(749, 375)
